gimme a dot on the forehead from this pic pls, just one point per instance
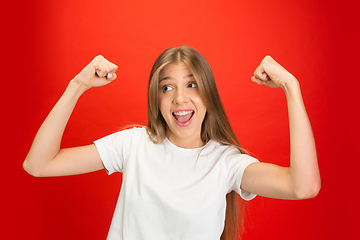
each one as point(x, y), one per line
point(178, 68)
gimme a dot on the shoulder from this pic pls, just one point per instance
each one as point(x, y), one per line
point(216, 147)
point(124, 135)
point(228, 154)
point(130, 132)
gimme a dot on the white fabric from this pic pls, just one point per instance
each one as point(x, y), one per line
point(170, 192)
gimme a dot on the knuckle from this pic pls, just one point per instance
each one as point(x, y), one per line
point(267, 58)
point(98, 57)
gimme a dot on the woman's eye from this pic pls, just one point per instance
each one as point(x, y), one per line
point(166, 88)
point(192, 85)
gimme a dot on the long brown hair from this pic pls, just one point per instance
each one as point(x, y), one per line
point(215, 125)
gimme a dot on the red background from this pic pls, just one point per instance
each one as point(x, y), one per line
point(46, 43)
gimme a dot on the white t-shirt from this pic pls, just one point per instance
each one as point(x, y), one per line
point(170, 192)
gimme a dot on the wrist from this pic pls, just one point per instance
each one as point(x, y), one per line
point(291, 85)
point(77, 87)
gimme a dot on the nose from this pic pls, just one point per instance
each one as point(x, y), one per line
point(180, 97)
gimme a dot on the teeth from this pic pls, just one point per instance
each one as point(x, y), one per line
point(182, 113)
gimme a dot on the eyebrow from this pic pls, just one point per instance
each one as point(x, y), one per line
point(169, 78)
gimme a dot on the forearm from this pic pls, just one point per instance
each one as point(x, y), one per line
point(46, 144)
point(304, 170)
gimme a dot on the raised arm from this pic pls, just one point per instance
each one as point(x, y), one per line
point(45, 157)
point(302, 179)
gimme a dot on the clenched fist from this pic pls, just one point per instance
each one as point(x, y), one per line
point(98, 72)
point(272, 74)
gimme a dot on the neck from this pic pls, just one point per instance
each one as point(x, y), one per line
point(186, 142)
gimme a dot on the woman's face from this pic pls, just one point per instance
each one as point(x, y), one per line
point(181, 106)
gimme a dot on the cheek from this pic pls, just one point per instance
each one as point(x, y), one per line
point(199, 103)
point(163, 104)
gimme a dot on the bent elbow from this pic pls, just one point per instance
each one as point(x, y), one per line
point(31, 170)
point(310, 191)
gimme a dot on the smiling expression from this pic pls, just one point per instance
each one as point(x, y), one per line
point(181, 106)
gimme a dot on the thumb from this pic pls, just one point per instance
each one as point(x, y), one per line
point(258, 81)
point(111, 76)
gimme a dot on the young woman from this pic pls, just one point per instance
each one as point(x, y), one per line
point(183, 172)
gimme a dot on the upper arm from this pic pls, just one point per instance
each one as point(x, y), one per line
point(71, 161)
point(268, 180)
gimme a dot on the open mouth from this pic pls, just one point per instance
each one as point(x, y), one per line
point(183, 117)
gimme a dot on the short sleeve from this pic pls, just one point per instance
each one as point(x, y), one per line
point(115, 148)
point(237, 165)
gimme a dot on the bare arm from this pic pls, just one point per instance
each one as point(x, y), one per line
point(45, 157)
point(302, 179)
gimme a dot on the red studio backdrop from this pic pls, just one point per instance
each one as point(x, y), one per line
point(46, 43)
